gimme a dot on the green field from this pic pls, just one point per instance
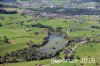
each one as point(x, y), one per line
point(83, 50)
point(18, 35)
point(19, 31)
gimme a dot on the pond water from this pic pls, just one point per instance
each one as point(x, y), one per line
point(55, 43)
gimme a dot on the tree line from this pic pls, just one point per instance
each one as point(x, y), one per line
point(68, 11)
point(2, 11)
point(27, 54)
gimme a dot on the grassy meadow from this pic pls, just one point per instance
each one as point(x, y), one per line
point(19, 31)
point(18, 35)
point(83, 50)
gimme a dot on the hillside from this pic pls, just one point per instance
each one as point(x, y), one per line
point(7, 0)
point(53, 1)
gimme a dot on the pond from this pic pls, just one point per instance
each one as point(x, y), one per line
point(56, 42)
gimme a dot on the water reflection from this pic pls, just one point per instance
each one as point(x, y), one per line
point(55, 43)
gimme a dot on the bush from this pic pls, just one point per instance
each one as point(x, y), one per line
point(78, 57)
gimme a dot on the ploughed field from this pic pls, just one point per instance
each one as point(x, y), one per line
point(17, 33)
